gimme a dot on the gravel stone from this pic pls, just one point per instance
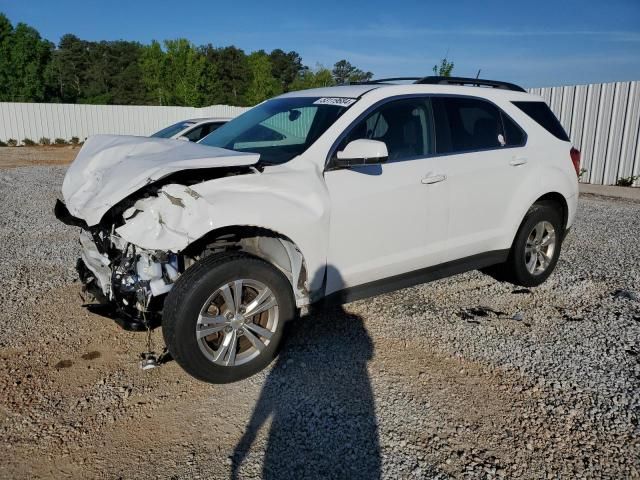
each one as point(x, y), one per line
point(465, 377)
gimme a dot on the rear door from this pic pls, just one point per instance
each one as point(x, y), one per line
point(480, 150)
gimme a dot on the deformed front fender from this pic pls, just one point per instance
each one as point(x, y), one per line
point(293, 203)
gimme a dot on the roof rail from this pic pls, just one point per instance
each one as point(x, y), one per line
point(476, 82)
point(385, 80)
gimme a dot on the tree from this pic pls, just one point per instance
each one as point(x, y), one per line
point(125, 74)
point(344, 72)
point(444, 69)
point(25, 56)
point(263, 84)
point(229, 75)
point(173, 72)
point(183, 73)
point(151, 65)
point(320, 77)
point(286, 67)
point(66, 73)
point(6, 73)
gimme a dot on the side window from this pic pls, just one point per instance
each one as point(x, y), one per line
point(514, 136)
point(403, 125)
point(464, 124)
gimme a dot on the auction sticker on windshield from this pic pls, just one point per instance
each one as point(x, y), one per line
point(337, 101)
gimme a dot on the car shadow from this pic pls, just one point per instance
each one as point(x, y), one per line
point(319, 398)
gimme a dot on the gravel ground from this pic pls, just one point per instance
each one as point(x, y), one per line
point(40, 155)
point(462, 378)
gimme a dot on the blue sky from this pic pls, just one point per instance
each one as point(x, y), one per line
point(534, 43)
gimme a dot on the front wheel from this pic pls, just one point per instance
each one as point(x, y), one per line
point(536, 248)
point(223, 319)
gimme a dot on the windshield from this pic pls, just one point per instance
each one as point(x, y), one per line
point(171, 130)
point(279, 129)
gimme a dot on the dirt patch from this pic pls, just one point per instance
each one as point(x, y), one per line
point(11, 157)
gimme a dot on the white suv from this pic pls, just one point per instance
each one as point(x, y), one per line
point(331, 194)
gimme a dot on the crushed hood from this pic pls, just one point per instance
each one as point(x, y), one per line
point(108, 168)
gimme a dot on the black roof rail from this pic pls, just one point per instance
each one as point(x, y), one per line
point(475, 82)
point(385, 80)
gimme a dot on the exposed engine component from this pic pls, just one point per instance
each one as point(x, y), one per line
point(141, 275)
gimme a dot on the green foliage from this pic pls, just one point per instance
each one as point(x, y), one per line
point(28, 142)
point(96, 72)
point(581, 173)
point(183, 73)
point(12, 142)
point(172, 72)
point(74, 141)
point(286, 67)
point(3, 144)
point(627, 181)
point(443, 69)
point(152, 64)
point(23, 60)
point(263, 84)
point(230, 75)
point(344, 72)
point(320, 77)
point(60, 141)
point(44, 141)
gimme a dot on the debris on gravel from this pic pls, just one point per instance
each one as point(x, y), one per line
point(465, 377)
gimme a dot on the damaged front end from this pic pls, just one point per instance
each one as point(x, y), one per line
point(101, 189)
point(127, 281)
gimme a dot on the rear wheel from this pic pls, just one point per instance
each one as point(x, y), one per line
point(224, 318)
point(536, 248)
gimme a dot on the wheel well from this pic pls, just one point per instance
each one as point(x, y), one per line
point(271, 246)
point(560, 201)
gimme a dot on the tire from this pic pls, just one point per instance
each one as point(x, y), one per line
point(517, 269)
point(212, 358)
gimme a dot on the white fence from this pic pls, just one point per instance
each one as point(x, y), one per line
point(54, 120)
point(603, 121)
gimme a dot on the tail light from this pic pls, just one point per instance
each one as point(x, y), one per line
point(575, 159)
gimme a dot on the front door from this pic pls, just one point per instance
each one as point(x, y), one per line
point(387, 219)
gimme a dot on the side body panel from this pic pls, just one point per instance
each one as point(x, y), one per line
point(384, 222)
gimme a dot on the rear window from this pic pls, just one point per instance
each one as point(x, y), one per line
point(542, 114)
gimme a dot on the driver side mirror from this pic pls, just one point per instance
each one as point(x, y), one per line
point(183, 138)
point(362, 152)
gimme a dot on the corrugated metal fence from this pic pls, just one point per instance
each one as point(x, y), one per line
point(54, 120)
point(603, 121)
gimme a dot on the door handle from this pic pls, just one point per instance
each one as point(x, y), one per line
point(516, 161)
point(433, 179)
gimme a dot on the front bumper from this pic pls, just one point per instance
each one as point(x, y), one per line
point(106, 308)
point(97, 263)
point(127, 283)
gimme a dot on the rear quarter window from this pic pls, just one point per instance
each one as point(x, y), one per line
point(542, 114)
point(514, 136)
